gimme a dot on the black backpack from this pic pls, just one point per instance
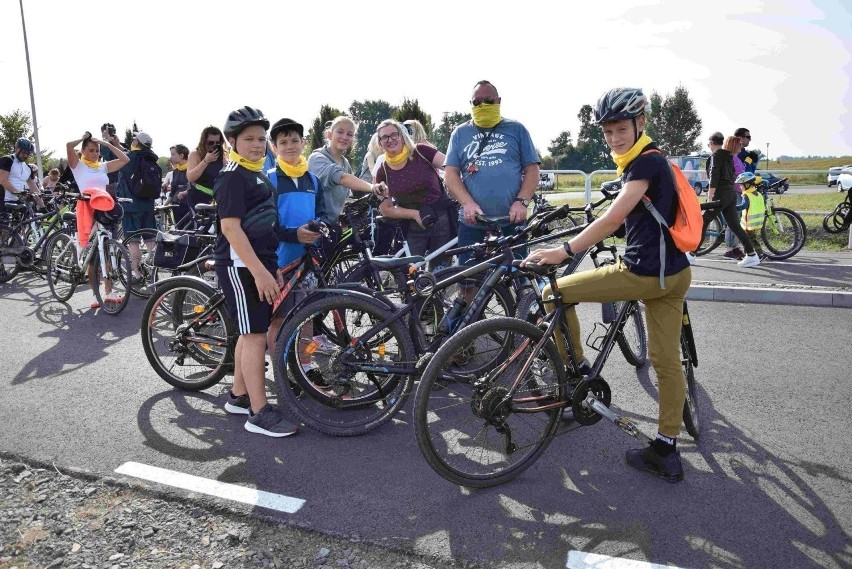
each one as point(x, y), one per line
point(147, 179)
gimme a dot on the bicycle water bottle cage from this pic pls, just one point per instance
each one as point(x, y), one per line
point(596, 338)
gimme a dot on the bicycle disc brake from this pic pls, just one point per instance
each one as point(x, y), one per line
point(596, 387)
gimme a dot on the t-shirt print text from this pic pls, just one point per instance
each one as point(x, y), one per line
point(492, 154)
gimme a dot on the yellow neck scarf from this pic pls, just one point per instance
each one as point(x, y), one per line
point(623, 160)
point(485, 115)
point(296, 171)
point(134, 147)
point(253, 165)
point(399, 158)
point(180, 167)
point(90, 164)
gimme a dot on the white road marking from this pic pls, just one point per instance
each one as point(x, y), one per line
point(215, 488)
point(583, 560)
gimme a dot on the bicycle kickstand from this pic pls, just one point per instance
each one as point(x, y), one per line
point(622, 423)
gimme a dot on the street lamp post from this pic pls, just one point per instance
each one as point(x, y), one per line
point(767, 156)
point(32, 97)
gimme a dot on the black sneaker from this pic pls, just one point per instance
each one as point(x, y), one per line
point(666, 467)
point(268, 421)
point(238, 405)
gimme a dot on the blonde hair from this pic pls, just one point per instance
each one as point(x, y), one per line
point(373, 147)
point(732, 145)
point(406, 140)
point(418, 133)
point(337, 120)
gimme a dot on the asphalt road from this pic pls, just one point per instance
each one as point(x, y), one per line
point(768, 486)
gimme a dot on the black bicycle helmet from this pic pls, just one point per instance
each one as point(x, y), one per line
point(109, 217)
point(619, 104)
point(24, 144)
point(242, 118)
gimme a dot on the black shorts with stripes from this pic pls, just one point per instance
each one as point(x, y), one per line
point(245, 309)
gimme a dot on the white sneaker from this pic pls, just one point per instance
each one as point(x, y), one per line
point(750, 261)
point(691, 258)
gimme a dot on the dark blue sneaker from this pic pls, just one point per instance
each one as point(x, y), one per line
point(268, 421)
point(668, 467)
point(237, 405)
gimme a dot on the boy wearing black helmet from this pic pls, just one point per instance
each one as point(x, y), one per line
point(245, 254)
point(646, 172)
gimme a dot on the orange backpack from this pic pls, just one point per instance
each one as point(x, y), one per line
point(688, 223)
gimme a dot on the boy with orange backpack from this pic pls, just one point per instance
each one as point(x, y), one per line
point(653, 269)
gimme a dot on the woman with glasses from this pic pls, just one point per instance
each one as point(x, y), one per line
point(416, 193)
point(203, 167)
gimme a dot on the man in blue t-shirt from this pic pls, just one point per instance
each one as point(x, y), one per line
point(492, 166)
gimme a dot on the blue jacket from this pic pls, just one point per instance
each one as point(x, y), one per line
point(297, 205)
point(122, 189)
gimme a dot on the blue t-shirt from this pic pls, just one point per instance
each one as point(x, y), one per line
point(508, 149)
point(642, 252)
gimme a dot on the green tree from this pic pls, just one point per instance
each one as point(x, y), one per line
point(316, 137)
point(592, 153)
point(368, 115)
point(410, 109)
point(450, 120)
point(13, 126)
point(679, 125)
point(560, 149)
point(654, 123)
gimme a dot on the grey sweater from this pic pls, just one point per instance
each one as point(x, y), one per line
point(322, 165)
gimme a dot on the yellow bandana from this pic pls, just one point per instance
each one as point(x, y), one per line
point(254, 166)
point(399, 158)
point(180, 167)
point(296, 171)
point(134, 147)
point(90, 164)
point(485, 115)
point(623, 160)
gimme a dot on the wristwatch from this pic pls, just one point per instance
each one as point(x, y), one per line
point(523, 201)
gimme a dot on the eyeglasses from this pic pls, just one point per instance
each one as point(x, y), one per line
point(388, 137)
point(485, 100)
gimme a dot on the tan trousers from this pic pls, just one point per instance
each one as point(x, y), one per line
point(663, 313)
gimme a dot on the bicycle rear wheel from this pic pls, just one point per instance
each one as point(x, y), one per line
point(117, 277)
point(469, 429)
point(9, 266)
point(838, 220)
point(186, 334)
point(786, 236)
point(62, 268)
point(713, 236)
point(346, 391)
point(633, 341)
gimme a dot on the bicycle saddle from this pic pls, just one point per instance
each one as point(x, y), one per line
point(393, 262)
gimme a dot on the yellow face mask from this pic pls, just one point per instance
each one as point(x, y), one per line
point(296, 171)
point(253, 165)
point(623, 160)
point(485, 115)
point(89, 163)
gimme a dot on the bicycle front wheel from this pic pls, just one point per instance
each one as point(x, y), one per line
point(691, 419)
point(713, 236)
point(186, 334)
point(62, 271)
point(145, 241)
point(633, 341)
point(9, 266)
point(480, 430)
point(332, 386)
point(838, 220)
point(785, 236)
point(115, 275)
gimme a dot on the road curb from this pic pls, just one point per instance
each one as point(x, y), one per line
point(774, 295)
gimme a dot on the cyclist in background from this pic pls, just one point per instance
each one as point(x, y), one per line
point(16, 176)
point(621, 114)
point(203, 166)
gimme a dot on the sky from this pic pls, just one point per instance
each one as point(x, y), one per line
point(780, 68)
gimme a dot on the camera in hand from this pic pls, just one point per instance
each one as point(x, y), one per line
point(217, 147)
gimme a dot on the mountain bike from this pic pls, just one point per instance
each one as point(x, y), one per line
point(840, 219)
point(69, 264)
point(480, 427)
point(782, 235)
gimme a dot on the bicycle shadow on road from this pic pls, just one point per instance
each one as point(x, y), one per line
point(82, 338)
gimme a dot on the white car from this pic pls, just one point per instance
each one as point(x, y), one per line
point(833, 173)
point(844, 180)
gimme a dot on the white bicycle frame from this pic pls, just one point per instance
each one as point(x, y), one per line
point(98, 236)
point(406, 251)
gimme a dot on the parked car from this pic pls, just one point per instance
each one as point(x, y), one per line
point(844, 180)
point(771, 178)
point(700, 186)
point(833, 173)
point(612, 186)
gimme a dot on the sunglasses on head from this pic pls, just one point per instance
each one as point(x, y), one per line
point(483, 100)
